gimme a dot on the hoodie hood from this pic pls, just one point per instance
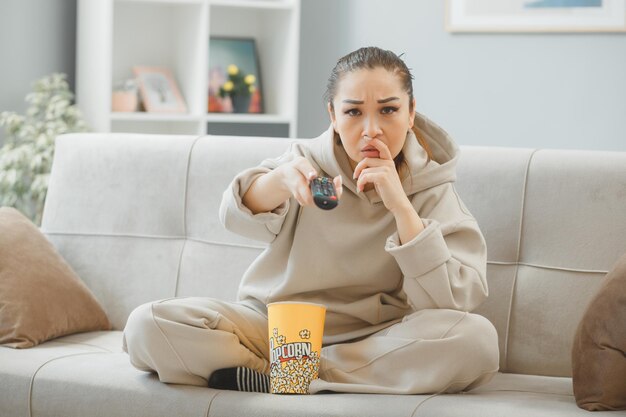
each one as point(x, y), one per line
point(423, 174)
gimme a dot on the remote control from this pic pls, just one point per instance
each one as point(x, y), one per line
point(324, 194)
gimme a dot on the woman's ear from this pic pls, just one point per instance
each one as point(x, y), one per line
point(331, 113)
point(412, 115)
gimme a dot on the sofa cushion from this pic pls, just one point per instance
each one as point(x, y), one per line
point(89, 374)
point(19, 367)
point(599, 349)
point(106, 382)
point(41, 297)
point(510, 395)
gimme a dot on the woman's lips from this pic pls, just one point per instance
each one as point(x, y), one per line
point(370, 153)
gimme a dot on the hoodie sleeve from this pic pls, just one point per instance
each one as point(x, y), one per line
point(238, 218)
point(445, 265)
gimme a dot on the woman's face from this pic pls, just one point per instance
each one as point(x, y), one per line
point(371, 103)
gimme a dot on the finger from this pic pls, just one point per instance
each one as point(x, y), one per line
point(296, 185)
point(302, 201)
point(338, 181)
point(368, 163)
point(362, 181)
point(302, 198)
point(363, 163)
point(299, 199)
point(383, 149)
point(370, 175)
point(304, 193)
point(307, 196)
point(306, 169)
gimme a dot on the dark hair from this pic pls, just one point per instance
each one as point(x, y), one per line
point(372, 57)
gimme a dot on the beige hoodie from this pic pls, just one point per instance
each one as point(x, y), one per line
point(350, 258)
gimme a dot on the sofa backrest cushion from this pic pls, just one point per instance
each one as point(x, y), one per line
point(137, 218)
point(137, 215)
point(554, 224)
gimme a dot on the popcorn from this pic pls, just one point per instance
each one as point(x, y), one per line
point(294, 376)
point(293, 365)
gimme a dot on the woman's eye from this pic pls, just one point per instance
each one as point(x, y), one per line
point(352, 112)
point(389, 110)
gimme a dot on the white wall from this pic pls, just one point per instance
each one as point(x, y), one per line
point(37, 38)
point(563, 91)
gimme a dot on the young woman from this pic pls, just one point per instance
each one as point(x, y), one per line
point(400, 262)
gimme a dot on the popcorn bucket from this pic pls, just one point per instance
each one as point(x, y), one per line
point(295, 339)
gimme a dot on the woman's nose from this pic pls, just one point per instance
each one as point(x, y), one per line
point(371, 128)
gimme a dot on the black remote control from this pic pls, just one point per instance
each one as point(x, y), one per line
point(324, 194)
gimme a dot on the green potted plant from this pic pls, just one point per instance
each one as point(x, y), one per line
point(26, 157)
point(239, 87)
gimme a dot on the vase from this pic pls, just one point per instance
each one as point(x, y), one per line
point(124, 101)
point(241, 104)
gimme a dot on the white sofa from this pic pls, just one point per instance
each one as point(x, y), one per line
point(136, 217)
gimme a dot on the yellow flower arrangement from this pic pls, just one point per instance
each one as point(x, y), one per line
point(237, 84)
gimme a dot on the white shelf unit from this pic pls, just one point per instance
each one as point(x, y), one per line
point(115, 35)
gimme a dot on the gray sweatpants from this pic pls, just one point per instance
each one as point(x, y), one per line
point(430, 351)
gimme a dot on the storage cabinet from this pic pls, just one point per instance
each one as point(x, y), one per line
point(115, 35)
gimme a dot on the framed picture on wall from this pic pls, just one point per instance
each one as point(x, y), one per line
point(158, 90)
point(535, 16)
point(235, 84)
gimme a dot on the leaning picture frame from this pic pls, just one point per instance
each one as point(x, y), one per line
point(235, 83)
point(158, 90)
point(535, 16)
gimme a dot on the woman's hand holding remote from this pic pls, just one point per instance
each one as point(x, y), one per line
point(296, 178)
point(292, 178)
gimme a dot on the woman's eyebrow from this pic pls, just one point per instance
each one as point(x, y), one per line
point(384, 100)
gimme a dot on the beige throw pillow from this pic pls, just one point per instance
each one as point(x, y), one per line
point(41, 297)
